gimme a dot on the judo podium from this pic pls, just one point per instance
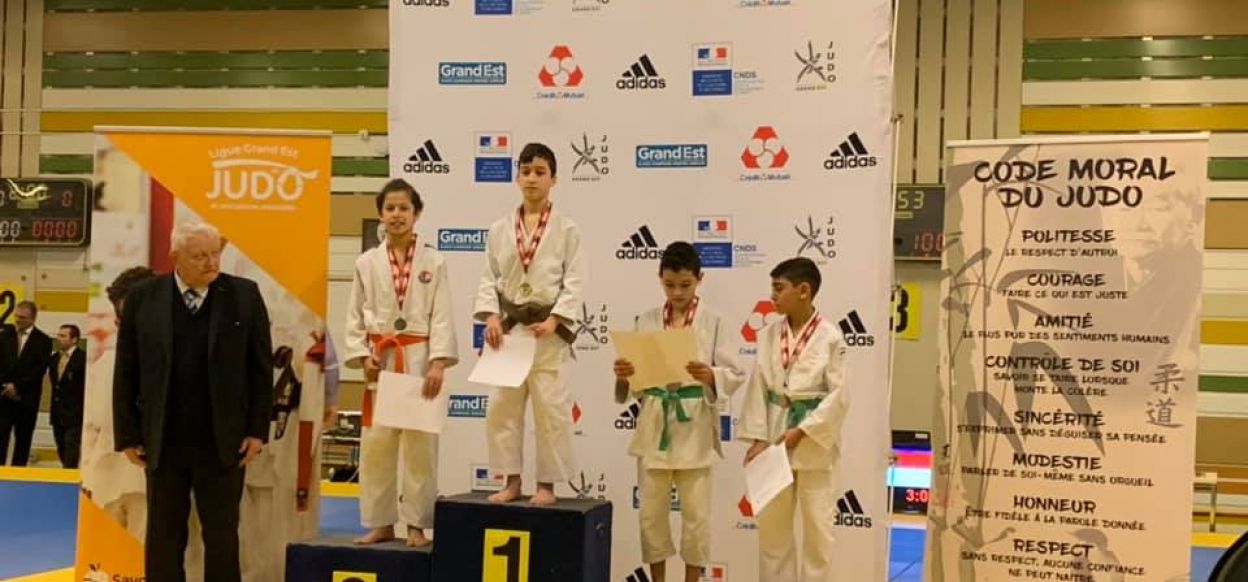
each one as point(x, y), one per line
point(399, 329)
point(476, 540)
point(674, 368)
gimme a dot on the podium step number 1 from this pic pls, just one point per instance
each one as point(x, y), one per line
point(354, 577)
point(506, 556)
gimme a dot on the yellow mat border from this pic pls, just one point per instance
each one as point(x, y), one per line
point(50, 475)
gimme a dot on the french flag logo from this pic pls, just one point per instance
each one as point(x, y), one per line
point(711, 228)
point(493, 144)
point(713, 55)
point(494, 141)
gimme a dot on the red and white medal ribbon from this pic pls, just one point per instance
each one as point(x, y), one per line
point(667, 313)
point(402, 275)
point(528, 251)
point(787, 358)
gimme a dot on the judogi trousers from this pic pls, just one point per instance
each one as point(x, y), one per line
point(380, 501)
point(813, 496)
point(694, 488)
point(130, 511)
point(552, 415)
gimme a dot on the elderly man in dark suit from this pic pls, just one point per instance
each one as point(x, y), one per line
point(24, 355)
point(192, 400)
point(67, 374)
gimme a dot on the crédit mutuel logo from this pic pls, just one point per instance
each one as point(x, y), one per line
point(764, 157)
point(242, 179)
point(561, 75)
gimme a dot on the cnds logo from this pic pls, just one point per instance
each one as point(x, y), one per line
point(257, 180)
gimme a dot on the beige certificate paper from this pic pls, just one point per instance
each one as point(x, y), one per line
point(659, 357)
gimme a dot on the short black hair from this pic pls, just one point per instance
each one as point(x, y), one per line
point(799, 270)
point(127, 281)
point(680, 256)
point(538, 150)
point(400, 185)
point(74, 332)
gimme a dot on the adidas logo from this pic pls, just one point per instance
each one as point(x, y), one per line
point(426, 160)
point(851, 154)
point(628, 419)
point(640, 246)
point(855, 332)
point(641, 75)
point(638, 575)
point(849, 512)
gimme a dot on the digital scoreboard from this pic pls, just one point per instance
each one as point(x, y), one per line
point(45, 213)
point(919, 222)
point(910, 477)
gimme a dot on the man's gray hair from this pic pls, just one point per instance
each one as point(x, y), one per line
point(185, 231)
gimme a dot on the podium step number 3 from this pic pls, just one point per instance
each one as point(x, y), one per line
point(506, 556)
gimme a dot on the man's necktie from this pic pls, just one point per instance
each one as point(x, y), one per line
point(191, 297)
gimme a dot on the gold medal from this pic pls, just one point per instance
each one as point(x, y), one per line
point(400, 324)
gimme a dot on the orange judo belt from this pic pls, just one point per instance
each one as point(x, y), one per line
point(398, 364)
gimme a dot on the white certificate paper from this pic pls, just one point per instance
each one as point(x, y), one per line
point(400, 404)
point(507, 366)
point(767, 475)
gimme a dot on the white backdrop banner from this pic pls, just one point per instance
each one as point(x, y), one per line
point(1070, 340)
point(757, 130)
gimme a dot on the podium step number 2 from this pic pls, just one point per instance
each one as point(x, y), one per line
point(506, 556)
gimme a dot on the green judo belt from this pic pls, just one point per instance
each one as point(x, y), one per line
point(671, 399)
point(797, 409)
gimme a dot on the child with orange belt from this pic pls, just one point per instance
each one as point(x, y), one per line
point(399, 319)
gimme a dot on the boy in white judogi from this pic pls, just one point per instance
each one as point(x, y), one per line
point(797, 396)
point(399, 319)
point(533, 283)
point(115, 484)
point(677, 437)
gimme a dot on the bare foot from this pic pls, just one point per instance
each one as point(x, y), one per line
point(658, 572)
point(377, 535)
point(505, 496)
point(416, 538)
point(545, 495)
point(509, 493)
